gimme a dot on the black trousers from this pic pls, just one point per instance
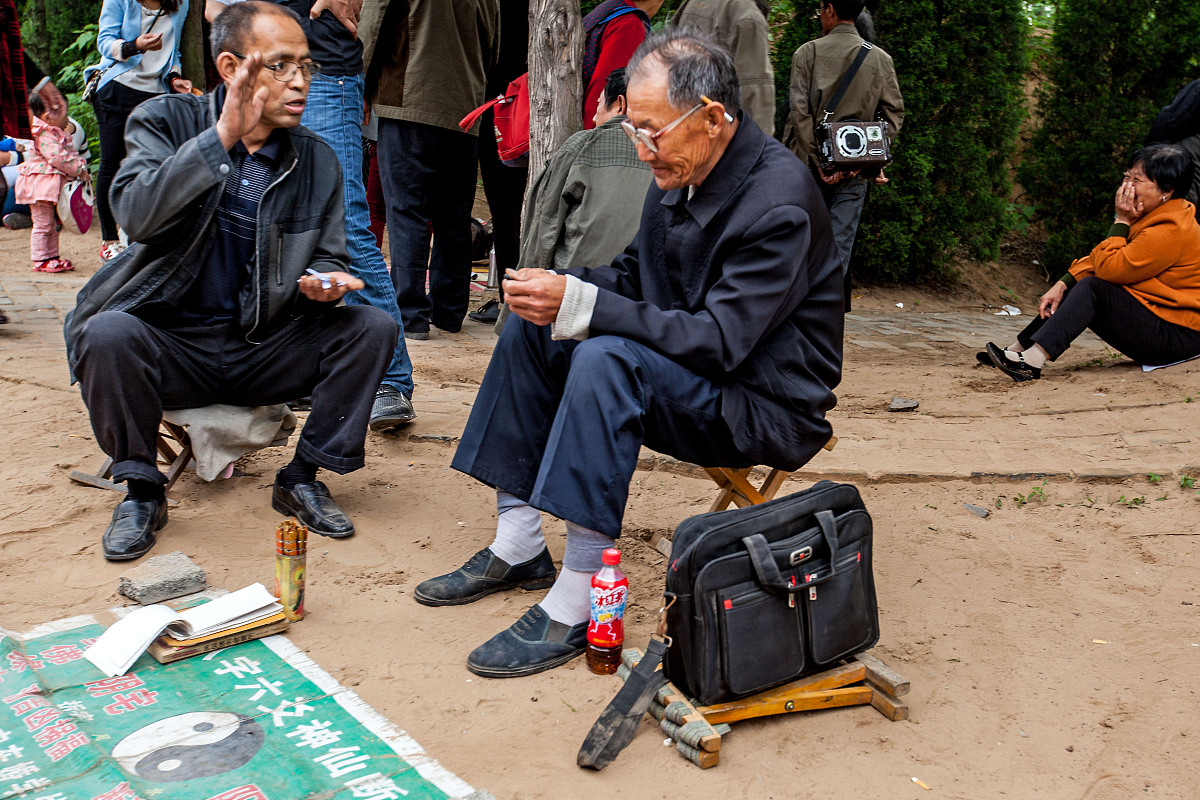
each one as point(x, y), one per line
point(130, 371)
point(428, 175)
point(1118, 318)
point(114, 103)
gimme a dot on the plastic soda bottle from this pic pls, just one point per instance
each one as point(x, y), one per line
point(606, 628)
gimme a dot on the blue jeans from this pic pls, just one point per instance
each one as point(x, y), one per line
point(559, 423)
point(334, 112)
point(428, 176)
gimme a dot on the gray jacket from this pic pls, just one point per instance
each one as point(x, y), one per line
point(741, 27)
point(165, 195)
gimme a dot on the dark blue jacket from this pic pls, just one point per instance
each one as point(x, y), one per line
point(740, 284)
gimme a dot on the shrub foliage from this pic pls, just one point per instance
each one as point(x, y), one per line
point(1106, 77)
point(960, 67)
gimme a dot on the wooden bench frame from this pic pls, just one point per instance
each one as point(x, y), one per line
point(174, 450)
point(735, 486)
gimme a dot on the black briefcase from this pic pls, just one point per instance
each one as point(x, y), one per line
point(770, 593)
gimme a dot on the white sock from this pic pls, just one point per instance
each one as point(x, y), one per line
point(1035, 356)
point(518, 530)
point(569, 600)
point(1015, 347)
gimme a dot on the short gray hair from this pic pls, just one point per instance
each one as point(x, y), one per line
point(233, 26)
point(696, 65)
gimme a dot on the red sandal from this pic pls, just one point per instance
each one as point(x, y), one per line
point(54, 265)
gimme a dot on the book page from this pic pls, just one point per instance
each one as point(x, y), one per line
point(238, 608)
point(119, 646)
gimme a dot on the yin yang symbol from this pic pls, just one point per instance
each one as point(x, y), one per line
point(187, 746)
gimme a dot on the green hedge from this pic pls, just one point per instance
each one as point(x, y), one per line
point(1107, 74)
point(960, 68)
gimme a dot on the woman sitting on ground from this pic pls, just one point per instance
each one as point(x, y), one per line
point(1139, 290)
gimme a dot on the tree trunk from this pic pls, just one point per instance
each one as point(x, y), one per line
point(555, 96)
point(192, 44)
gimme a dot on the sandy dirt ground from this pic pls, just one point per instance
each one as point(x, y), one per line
point(1053, 647)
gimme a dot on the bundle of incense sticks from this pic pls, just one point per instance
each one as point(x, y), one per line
point(291, 549)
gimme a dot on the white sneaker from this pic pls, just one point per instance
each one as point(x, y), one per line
point(109, 251)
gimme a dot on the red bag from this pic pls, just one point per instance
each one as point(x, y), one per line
point(511, 112)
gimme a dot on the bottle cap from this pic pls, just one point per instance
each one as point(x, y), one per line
point(612, 556)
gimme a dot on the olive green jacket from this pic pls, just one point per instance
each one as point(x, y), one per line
point(817, 69)
point(740, 27)
point(426, 61)
point(586, 205)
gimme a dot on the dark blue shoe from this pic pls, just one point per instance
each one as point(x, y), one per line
point(483, 574)
point(533, 644)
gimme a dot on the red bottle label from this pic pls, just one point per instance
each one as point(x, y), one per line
point(606, 628)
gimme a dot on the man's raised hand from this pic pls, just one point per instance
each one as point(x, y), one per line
point(244, 101)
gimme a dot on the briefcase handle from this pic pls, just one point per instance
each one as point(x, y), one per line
point(764, 565)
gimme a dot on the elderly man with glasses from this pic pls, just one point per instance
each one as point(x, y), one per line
point(715, 337)
point(229, 293)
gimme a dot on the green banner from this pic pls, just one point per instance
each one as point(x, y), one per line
point(257, 721)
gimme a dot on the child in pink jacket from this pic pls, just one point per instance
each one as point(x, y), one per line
point(52, 160)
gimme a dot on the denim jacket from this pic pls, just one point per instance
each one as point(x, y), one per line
point(120, 22)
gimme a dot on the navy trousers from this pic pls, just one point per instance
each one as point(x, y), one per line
point(559, 423)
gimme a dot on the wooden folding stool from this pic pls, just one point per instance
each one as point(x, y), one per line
point(736, 488)
point(174, 450)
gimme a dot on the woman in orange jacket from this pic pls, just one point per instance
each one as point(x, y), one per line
point(1139, 290)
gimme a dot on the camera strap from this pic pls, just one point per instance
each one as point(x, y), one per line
point(847, 79)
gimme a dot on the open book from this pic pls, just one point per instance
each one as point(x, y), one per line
point(121, 645)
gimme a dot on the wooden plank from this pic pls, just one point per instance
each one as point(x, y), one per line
point(96, 481)
point(889, 706)
point(803, 701)
point(834, 678)
point(771, 485)
point(832, 443)
point(883, 676)
point(701, 758)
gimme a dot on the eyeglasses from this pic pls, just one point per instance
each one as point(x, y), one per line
point(650, 139)
point(284, 71)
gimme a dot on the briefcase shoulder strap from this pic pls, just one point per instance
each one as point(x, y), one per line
point(847, 79)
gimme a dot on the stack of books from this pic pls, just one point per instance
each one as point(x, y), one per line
point(170, 635)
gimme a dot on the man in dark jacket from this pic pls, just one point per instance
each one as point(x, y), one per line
point(716, 337)
point(229, 294)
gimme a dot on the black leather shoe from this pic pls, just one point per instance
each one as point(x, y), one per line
point(533, 644)
point(487, 313)
point(1019, 371)
point(311, 504)
point(391, 409)
point(483, 574)
point(984, 359)
point(130, 535)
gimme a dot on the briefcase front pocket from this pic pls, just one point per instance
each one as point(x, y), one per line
point(761, 638)
point(841, 617)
